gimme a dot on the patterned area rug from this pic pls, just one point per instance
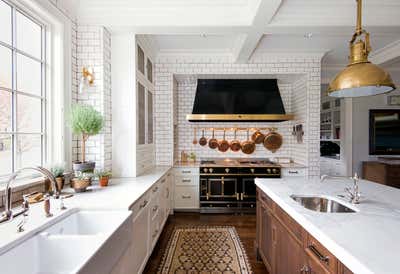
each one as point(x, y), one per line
point(205, 250)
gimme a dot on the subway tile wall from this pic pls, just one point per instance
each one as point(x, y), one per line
point(301, 97)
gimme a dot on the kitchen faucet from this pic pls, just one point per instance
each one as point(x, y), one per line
point(8, 214)
point(353, 192)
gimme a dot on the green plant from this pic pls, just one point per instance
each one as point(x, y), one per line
point(57, 171)
point(85, 121)
point(102, 173)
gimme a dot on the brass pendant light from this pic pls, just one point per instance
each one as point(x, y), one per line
point(360, 77)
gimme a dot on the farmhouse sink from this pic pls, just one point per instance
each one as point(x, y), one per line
point(322, 204)
point(81, 242)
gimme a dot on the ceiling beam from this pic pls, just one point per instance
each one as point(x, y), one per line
point(387, 54)
point(246, 45)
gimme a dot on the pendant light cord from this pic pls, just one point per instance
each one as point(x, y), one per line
point(359, 29)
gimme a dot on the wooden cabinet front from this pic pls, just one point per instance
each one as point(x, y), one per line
point(265, 234)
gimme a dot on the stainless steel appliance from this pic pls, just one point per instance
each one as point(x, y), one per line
point(227, 185)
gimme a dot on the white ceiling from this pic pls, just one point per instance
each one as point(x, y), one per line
point(242, 27)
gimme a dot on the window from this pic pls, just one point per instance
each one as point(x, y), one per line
point(22, 90)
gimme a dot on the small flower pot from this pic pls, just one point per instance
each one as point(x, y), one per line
point(80, 185)
point(60, 183)
point(103, 181)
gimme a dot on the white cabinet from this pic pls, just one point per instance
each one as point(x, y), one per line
point(140, 235)
point(186, 188)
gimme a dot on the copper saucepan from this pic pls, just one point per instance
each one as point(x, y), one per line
point(223, 145)
point(273, 141)
point(213, 143)
point(248, 146)
point(203, 140)
point(235, 144)
point(258, 137)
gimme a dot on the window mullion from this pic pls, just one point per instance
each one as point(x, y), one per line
point(14, 87)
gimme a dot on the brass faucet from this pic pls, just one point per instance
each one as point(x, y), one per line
point(8, 214)
point(354, 192)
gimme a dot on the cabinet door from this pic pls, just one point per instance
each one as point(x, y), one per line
point(266, 244)
point(289, 254)
point(140, 239)
point(141, 117)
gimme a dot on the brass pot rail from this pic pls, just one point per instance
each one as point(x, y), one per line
point(236, 128)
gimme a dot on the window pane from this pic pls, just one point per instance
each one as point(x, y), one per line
point(29, 36)
point(150, 118)
point(29, 118)
point(5, 23)
point(149, 70)
point(5, 111)
point(29, 150)
point(140, 59)
point(141, 114)
point(5, 154)
point(29, 76)
point(5, 67)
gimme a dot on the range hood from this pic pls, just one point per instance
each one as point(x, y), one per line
point(223, 100)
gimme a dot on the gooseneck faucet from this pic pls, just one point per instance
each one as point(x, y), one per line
point(8, 214)
point(354, 192)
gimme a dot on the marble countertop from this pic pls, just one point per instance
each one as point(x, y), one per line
point(366, 241)
point(121, 194)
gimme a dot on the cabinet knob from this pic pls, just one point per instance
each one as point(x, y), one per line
point(205, 170)
point(227, 170)
point(268, 170)
point(211, 170)
point(274, 170)
point(252, 170)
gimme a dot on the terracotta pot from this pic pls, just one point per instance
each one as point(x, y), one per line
point(60, 183)
point(103, 181)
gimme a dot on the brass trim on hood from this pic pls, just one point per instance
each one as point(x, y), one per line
point(239, 117)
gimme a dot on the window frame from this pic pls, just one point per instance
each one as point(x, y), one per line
point(14, 91)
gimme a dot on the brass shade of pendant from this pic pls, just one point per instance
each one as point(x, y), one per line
point(360, 77)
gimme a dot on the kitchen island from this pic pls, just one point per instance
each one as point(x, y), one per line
point(365, 241)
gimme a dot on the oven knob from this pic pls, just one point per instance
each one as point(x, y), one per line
point(227, 170)
point(211, 170)
point(252, 170)
point(274, 170)
point(268, 170)
point(205, 170)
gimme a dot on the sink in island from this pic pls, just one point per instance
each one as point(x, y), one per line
point(292, 238)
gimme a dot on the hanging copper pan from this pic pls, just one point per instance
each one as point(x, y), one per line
point(213, 143)
point(248, 146)
point(273, 141)
point(258, 137)
point(203, 140)
point(235, 144)
point(223, 145)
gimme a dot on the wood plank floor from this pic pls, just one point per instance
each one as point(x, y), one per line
point(244, 224)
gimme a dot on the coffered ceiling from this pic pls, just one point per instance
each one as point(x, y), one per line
point(242, 27)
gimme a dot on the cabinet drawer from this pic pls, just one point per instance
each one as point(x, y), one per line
point(155, 189)
point(186, 197)
point(140, 204)
point(293, 172)
point(290, 224)
point(186, 180)
point(185, 171)
point(317, 251)
point(154, 230)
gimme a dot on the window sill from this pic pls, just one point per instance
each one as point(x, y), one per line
point(22, 184)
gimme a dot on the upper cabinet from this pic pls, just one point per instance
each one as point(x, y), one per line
point(149, 67)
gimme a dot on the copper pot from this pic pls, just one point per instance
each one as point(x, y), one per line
point(235, 144)
point(273, 141)
point(258, 137)
point(203, 140)
point(213, 143)
point(223, 145)
point(248, 146)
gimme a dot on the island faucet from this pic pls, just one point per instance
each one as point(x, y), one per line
point(8, 214)
point(353, 192)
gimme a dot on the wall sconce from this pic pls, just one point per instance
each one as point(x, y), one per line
point(87, 79)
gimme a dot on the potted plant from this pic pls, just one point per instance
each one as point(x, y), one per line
point(104, 177)
point(58, 173)
point(86, 122)
point(82, 181)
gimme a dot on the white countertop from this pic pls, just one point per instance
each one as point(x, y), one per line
point(366, 241)
point(121, 194)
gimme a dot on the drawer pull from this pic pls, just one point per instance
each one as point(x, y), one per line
point(155, 208)
point(155, 233)
point(321, 257)
point(293, 172)
point(186, 197)
point(163, 180)
point(186, 181)
point(155, 189)
point(167, 196)
point(144, 204)
point(186, 171)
